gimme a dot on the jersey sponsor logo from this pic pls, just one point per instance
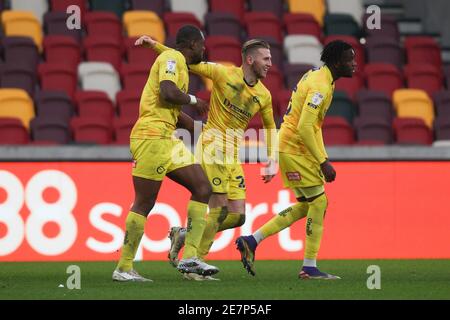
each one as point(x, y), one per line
point(227, 103)
point(216, 181)
point(317, 98)
point(160, 169)
point(293, 176)
point(171, 66)
point(312, 105)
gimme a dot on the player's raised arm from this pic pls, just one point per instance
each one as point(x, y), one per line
point(148, 42)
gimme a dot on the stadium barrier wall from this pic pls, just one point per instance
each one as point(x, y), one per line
point(65, 211)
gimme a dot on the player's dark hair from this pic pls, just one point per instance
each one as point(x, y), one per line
point(187, 34)
point(253, 44)
point(333, 51)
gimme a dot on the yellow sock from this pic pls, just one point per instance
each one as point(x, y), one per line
point(314, 226)
point(283, 220)
point(214, 219)
point(233, 220)
point(195, 227)
point(135, 224)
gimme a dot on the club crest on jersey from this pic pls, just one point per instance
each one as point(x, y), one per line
point(171, 66)
point(317, 98)
point(293, 176)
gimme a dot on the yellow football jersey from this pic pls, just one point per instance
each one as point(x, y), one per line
point(309, 103)
point(233, 103)
point(158, 118)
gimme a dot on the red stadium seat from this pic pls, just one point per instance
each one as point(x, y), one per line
point(293, 72)
point(236, 7)
point(385, 50)
point(423, 50)
point(12, 131)
point(263, 24)
point(283, 97)
point(412, 131)
point(383, 77)
point(138, 54)
point(337, 131)
point(175, 20)
point(223, 24)
point(62, 49)
point(223, 48)
point(55, 23)
point(94, 104)
point(274, 6)
point(122, 129)
point(274, 80)
point(351, 85)
point(374, 104)
point(20, 51)
point(134, 76)
point(101, 24)
point(50, 129)
point(128, 103)
point(54, 103)
point(374, 129)
point(92, 130)
point(58, 77)
point(442, 104)
point(19, 76)
point(302, 23)
point(62, 5)
point(104, 49)
point(425, 77)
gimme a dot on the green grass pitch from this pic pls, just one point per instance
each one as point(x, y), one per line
point(400, 279)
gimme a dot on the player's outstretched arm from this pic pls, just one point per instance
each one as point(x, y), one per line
point(148, 42)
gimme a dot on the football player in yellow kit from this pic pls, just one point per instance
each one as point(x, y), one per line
point(237, 95)
point(304, 163)
point(157, 153)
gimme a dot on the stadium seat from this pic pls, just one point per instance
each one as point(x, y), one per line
point(255, 122)
point(223, 24)
point(274, 80)
point(55, 23)
point(412, 131)
point(283, 97)
point(374, 104)
point(316, 8)
point(115, 6)
point(12, 131)
point(447, 75)
point(137, 23)
point(421, 50)
point(342, 106)
point(103, 24)
point(16, 103)
point(385, 50)
point(18, 76)
point(138, 54)
point(383, 77)
point(157, 6)
point(351, 7)
point(274, 6)
point(103, 49)
point(223, 48)
point(360, 54)
point(414, 103)
point(351, 85)
point(59, 49)
point(337, 131)
point(92, 130)
point(196, 7)
point(175, 20)
point(236, 7)
point(303, 49)
point(441, 101)
point(22, 23)
point(134, 76)
point(99, 76)
point(424, 77)
point(94, 104)
point(341, 23)
point(37, 7)
point(62, 5)
point(122, 128)
point(128, 103)
point(442, 128)
point(20, 51)
point(374, 129)
point(389, 28)
point(59, 77)
point(263, 24)
point(55, 104)
point(51, 128)
point(294, 72)
point(302, 23)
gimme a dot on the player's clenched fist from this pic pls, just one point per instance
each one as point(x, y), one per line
point(328, 171)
